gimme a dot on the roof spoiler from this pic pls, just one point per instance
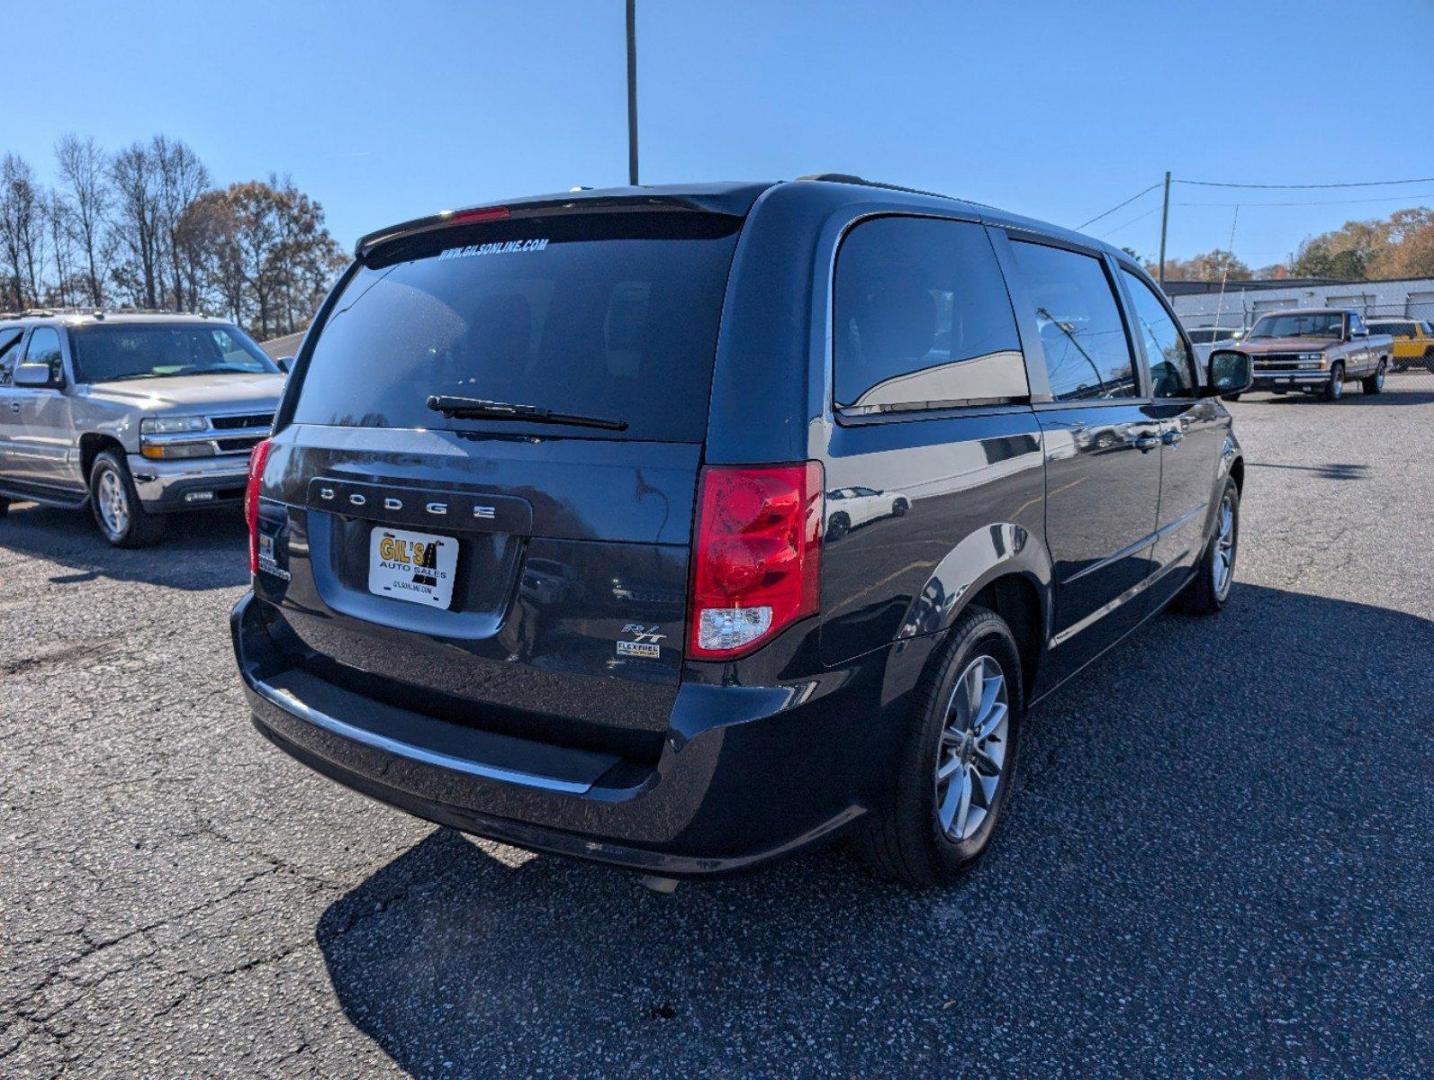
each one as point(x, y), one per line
point(558, 205)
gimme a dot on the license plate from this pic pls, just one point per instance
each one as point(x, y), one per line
point(412, 566)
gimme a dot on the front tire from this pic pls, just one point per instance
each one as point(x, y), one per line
point(958, 761)
point(1374, 384)
point(1334, 389)
point(1209, 590)
point(121, 517)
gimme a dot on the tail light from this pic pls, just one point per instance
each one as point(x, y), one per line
point(757, 556)
point(258, 458)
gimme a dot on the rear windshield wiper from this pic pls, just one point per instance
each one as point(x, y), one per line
point(467, 408)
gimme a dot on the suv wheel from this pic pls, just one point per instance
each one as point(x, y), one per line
point(1373, 384)
point(121, 517)
point(1209, 590)
point(957, 765)
point(1334, 389)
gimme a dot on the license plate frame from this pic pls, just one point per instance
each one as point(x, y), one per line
point(414, 567)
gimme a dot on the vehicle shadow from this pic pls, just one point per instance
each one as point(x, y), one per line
point(1173, 835)
point(1332, 471)
point(202, 550)
point(1353, 398)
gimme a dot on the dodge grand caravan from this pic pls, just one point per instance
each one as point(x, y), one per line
point(545, 547)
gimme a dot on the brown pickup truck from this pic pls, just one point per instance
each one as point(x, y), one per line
point(1316, 351)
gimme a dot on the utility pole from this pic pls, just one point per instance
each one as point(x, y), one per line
point(632, 97)
point(1164, 221)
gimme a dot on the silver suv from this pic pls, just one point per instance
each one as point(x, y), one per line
point(135, 414)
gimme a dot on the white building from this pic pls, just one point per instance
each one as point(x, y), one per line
point(1201, 303)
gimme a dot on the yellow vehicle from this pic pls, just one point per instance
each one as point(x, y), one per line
point(1413, 341)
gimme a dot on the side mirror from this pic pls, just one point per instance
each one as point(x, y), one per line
point(286, 363)
point(35, 376)
point(1229, 372)
point(1358, 333)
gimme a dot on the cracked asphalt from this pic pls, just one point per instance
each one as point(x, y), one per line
point(1219, 859)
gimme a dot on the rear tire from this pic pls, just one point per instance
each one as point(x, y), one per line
point(933, 827)
point(1334, 389)
point(838, 526)
point(1209, 590)
point(1374, 384)
point(121, 517)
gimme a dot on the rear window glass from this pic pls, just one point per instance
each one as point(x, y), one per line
point(604, 315)
point(923, 319)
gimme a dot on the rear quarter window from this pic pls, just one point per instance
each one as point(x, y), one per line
point(610, 315)
point(923, 319)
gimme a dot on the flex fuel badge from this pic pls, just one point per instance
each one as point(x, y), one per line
point(644, 643)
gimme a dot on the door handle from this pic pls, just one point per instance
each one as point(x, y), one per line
point(14, 406)
point(1172, 437)
point(1146, 443)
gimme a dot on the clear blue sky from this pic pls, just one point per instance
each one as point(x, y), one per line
point(384, 110)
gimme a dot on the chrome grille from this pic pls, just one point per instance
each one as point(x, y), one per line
point(228, 423)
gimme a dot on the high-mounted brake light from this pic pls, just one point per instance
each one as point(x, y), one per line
point(468, 217)
point(258, 458)
point(756, 557)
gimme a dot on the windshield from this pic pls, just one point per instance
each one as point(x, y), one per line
point(117, 351)
point(1395, 329)
point(1322, 324)
point(603, 315)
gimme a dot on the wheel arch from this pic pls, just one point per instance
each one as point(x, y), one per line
point(1002, 567)
point(92, 445)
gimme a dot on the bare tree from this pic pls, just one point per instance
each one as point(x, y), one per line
point(144, 226)
point(136, 187)
point(84, 170)
point(22, 237)
point(59, 228)
point(182, 178)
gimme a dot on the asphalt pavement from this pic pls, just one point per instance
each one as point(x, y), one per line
point(1219, 858)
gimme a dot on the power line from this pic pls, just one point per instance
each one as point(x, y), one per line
point(1118, 205)
point(1334, 202)
point(1291, 187)
point(1132, 221)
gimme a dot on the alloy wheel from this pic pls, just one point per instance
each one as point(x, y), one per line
point(972, 754)
point(113, 503)
point(1223, 566)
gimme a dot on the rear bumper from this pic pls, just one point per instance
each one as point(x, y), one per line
point(189, 485)
point(746, 774)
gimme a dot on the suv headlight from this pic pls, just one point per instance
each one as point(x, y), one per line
point(163, 450)
point(171, 425)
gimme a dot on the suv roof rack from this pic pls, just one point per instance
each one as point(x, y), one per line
point(98, 312)
point(848, 178)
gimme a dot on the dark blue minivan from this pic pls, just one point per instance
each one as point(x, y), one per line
point(679, 528)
